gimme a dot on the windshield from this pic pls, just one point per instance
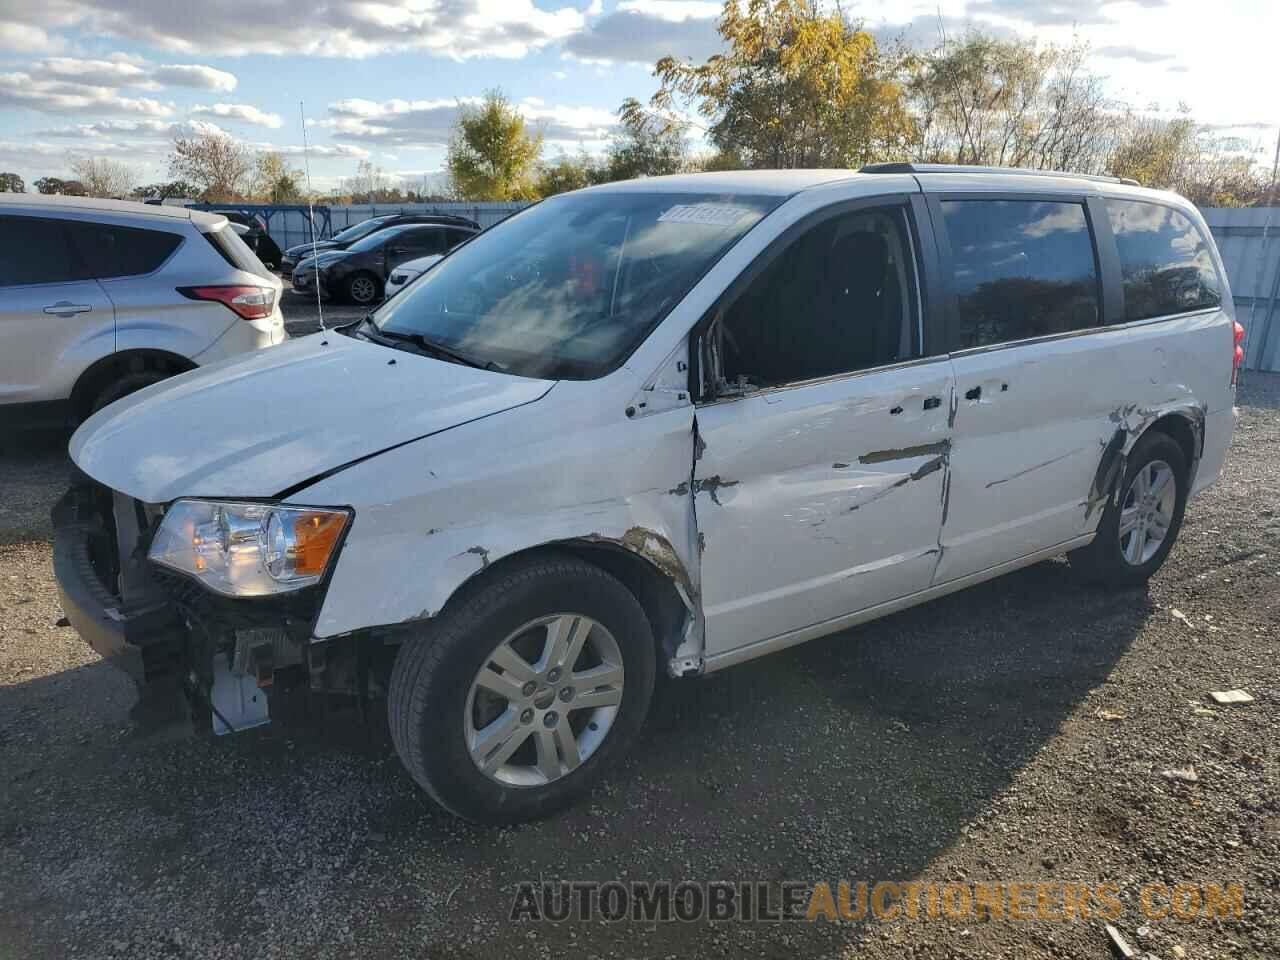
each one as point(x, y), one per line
point(568, 288)
point(374, 240)
point(356, 231)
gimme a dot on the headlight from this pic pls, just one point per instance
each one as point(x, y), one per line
point(248, 549)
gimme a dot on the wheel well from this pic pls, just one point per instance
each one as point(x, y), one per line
point(1179, 428)
point(108, 369)
point(655, 591)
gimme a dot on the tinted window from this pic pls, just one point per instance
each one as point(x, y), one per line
point(236, 252)
point(1022, 268)
point(356, 231)
point(422, 242)
point(1164, 260)
point(35, 251)
point(112, 251)
point(838, 299)
point(568, 288)
point(456, 236)
point(375, 241)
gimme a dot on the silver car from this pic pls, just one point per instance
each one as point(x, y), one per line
point(99, 298)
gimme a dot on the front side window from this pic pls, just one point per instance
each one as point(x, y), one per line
point(358, 230)
point(36, 251)
point(840, 298)
point(1165, 263)
point(568, 288)
point(1020, 269)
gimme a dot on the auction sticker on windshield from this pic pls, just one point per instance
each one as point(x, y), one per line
point(711, 214)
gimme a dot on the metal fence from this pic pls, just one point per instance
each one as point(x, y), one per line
point(1249, 241)
point(292, 224)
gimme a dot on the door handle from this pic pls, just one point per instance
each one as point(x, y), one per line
point(65, 308)
point(974, 393)
point(932, 403)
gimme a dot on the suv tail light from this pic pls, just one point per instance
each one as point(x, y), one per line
point(250, 303)
point(1237, 356)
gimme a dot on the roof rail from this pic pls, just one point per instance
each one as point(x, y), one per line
point(905, 167)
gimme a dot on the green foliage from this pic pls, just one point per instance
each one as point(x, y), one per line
point(12, 183)
point(645, 146)
point(569, 173)
point(54, 185)
point(492, 155)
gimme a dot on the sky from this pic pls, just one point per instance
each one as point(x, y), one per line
point(381, 80)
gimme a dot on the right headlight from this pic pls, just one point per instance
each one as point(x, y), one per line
point(241, 549)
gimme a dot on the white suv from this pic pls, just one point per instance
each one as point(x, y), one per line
point(670, 424)
point(101, 297)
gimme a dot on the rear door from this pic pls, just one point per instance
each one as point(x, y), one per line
point(819, 483)
point(1034, 392)
point(54, 318)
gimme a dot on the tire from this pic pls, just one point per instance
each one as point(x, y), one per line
point(362, 289)
point(435, 697)
point(1104, 561)
point(125, 385)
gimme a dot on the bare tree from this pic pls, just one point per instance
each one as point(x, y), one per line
point(215, 163)
point(104, 177)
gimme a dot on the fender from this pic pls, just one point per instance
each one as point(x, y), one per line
point(432, 514)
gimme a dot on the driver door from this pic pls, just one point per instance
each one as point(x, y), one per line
point(825, 448)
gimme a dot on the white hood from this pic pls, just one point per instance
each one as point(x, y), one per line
point(263, 422)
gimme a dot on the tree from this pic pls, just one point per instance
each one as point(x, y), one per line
point(217, 165)
point(274, 181)
point(990, 101)
point(162, 191)
point(796, 88)
point(104, 177)
point(646, 146)
point(12, 183)
point(492, 155)
point(569, 173)
point(371, 185)
point(53, 185)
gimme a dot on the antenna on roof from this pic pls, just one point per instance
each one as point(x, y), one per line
point(311, 213)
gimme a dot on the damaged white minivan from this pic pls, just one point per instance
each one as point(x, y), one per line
point(660, 425)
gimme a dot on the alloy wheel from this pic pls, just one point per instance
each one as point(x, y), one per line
point(1146, 512)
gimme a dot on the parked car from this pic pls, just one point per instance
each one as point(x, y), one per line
point(669, 424)
point(256, 237)
point(102, 297)
point(410, 271)
point(345, 238)
point(359, 273)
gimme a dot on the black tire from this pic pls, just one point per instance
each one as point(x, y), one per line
point(434, 671)
point(350, 289)
point(125, 385)
point(1103, 561)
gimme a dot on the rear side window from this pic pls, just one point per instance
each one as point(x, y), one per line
point(1021, 269)
point(1164, 260)
point(236, 252)
point(456, 236)
point(111, 251)
point(33, 250)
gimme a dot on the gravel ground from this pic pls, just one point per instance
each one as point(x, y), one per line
point(1017, 731)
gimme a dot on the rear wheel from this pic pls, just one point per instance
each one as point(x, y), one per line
point(1138, 529)
point(125, 385)
point(363, 289)
point(518, 697)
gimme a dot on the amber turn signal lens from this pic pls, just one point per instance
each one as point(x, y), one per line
point(316, 535)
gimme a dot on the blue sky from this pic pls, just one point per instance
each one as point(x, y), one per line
point(381, 80)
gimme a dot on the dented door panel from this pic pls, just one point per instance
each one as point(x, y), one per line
point(818, 500)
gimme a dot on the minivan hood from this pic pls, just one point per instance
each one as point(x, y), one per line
point(261, 423)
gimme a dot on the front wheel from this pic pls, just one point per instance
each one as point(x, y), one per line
point(515, 700)
point(363, 289)
point(1138, 529)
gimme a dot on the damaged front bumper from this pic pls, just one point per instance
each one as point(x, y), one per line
point(167, 632)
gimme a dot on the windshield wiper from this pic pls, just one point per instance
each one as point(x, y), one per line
point(436, 349)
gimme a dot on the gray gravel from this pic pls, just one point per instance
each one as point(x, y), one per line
point(965, 739)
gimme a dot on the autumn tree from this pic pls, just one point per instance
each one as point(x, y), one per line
point(179, 189)
point(56, 185)
point(104, 177)
point(1010, 103)
point(797, 87)
point(274, 181)
point(567, 173)
point(217, 165)
point(646, 145)
point(12, 183)
point(493, 155)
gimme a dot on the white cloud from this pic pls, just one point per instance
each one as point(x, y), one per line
point(28, 38)
point(101, 73)
point(645, 31)
point(195, 75)
point(240, 111)
point(61, 96)
point(459, 29)
point(675, 11)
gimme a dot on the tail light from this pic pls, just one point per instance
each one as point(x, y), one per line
point(250, 303)
point(1237, 357)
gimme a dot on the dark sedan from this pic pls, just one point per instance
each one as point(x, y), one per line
point(359, 273)
point(343, 239)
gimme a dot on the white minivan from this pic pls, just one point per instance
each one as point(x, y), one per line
point(668, 424)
